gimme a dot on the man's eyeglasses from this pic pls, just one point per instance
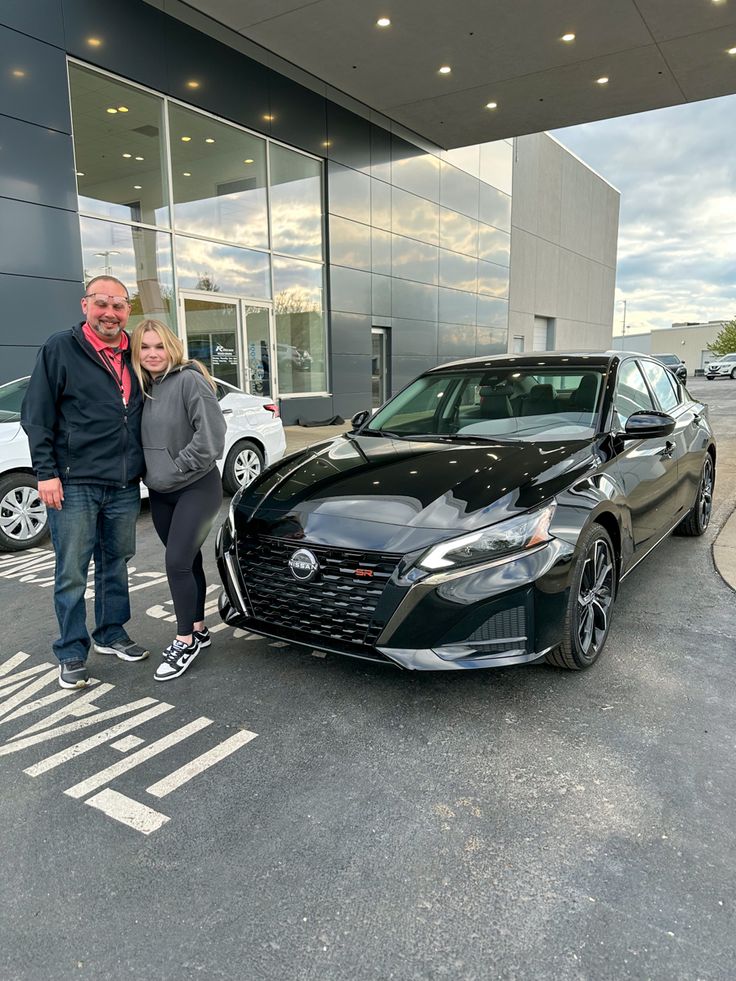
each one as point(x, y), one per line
point(118, 303)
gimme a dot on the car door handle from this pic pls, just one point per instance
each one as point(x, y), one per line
point(227, 412)
point(669, 449)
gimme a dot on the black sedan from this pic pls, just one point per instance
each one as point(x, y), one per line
point(675, 364)
point(484, 516)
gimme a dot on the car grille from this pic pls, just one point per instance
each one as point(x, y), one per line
point(337, 606)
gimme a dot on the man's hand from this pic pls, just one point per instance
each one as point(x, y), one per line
point(51, 493)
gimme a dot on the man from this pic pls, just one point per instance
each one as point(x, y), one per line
point(82, 414)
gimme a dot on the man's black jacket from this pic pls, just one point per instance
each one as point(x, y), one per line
point(77, 425)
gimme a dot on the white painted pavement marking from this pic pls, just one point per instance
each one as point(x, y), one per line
point(22, 676)
point(13, 662)
point(110, 772)
point(201, 763)
point(71, 752)
point(135, 815)
point(81, 706)
point(14, 701)
point(75, 708)
point(127, 743)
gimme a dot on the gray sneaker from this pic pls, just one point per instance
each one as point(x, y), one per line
point(73, 674)
point(126, 650)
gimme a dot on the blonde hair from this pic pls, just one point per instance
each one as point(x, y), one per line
point(174, 351)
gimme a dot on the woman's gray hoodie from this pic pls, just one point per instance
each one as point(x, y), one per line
point(182, 430)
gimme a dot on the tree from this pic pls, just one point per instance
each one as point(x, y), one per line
point(208, 283)
point(725, 342)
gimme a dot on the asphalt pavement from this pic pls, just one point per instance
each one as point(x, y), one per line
point(275, 814)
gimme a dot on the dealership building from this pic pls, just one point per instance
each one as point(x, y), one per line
point(302, 243)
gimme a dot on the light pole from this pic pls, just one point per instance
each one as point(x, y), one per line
point(106, 255)
point(623, 323)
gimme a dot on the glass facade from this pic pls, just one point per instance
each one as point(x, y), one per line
point(178, 205)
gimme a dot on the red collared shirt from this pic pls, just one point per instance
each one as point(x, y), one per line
point(113, 358)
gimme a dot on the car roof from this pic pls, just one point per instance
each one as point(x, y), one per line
point(541, 359)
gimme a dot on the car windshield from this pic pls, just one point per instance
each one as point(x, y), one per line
point(498, 403)
point(667, 358)
point(11, 399)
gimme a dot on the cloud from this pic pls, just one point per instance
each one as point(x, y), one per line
point(676, 170)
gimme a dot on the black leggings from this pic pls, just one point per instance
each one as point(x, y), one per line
point(182, 519)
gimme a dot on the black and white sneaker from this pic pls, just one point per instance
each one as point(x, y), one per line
point(203, 636)
point(176, 659)
point(73, 674)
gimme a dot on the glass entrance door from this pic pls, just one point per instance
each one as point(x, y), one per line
point(233, 338)
point(213, 336)
point(259, 347)
point(379, 369)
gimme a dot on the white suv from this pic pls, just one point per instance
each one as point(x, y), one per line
point(255, 439)
point(724, 367)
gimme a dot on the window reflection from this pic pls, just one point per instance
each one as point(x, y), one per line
point(219, 179)
point(140, 258)
point(300, 331)
point(493, 279)
point(202, 265)
point(495, 207)
point(413, 260)
point(296, 203)
point(458, 271)
point(414, 217)
point(458, 233)
point(118, 149)
point(494, 245)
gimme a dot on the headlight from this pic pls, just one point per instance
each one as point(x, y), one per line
point(231, 513)
point(513, 535)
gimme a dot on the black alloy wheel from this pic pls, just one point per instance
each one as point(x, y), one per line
point(696, 523)
point(592, 592)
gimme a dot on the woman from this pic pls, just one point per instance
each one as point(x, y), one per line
point(183, 434)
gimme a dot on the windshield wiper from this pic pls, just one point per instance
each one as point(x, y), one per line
point(381, 432)
point(459, 438)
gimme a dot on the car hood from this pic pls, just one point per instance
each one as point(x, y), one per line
point(386, 494)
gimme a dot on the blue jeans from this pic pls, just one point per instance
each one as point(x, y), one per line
point(94, 521)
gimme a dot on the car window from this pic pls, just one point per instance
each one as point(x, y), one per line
point(663, 383)
point(632, 394)
point(667, 358)
point(11, 399)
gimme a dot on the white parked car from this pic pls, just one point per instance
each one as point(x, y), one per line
point(724, 367)
point(255, 439)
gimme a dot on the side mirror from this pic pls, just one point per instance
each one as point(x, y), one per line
point(648, 425)
point(360, 417)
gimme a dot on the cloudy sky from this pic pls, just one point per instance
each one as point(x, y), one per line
point(676, 170)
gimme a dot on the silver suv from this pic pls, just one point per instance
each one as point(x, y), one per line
point(724, 367)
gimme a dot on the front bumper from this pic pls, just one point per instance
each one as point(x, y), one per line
point(507, 611)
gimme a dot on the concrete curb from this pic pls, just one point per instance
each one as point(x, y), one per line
point(724, 552)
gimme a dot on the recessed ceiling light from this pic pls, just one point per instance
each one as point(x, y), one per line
point(267, 118)
point(127, 155)
point(80, 173)
point(122, 108)
point(137, 187)
point(491, 105)
point(445, 70)
point(383, 22)
point(603, 80)
point(186, 139)
point(139, 158)
point(209, 140)
point(248, 160)
point(18, 73)
point(94, 42)
point(326, 143)
point(192, 83)
point(568, 37)
point(732, 51)
point(112, 111)
point(186, 173)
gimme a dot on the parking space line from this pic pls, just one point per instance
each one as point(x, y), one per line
point(127, 811)
point(201, 763)
point(110, 772)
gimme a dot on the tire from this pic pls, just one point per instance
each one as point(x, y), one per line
point(244, 463)
point(590, 604)
point(23, 521)
point(696, 523)
point(733, 373)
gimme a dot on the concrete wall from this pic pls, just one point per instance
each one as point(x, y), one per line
point(564, 237)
